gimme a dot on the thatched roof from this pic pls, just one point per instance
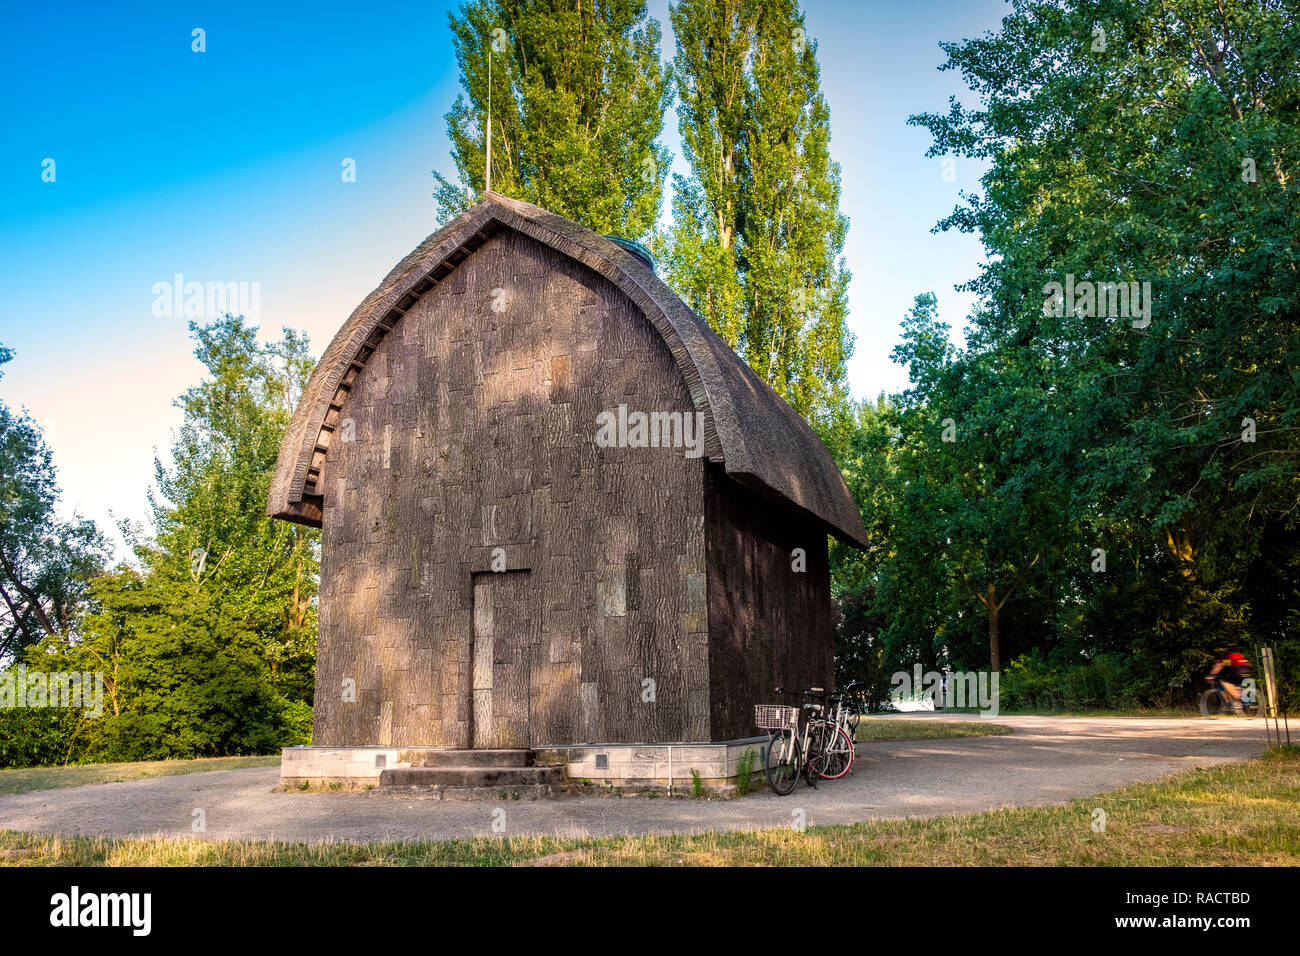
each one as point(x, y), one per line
point(750, 430)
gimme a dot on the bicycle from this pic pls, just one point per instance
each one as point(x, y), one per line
point(856, 706)
point(842, 728)
point(1214, 701)
point(791, 751)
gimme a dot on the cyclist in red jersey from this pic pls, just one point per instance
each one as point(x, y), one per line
point(1231, 670)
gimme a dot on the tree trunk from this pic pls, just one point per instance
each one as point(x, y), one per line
point(1181, 543)
point(33, 602)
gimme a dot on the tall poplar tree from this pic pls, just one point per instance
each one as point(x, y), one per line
point(578, 101)
point(758, 237)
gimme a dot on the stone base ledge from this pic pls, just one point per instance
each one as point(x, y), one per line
point(359, 765)
point(644, 766)
point(658, 766)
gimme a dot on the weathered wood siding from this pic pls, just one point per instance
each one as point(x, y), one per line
point(769, 624)
point(472, 429)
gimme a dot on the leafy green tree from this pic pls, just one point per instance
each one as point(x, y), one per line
point(578, 101)
point(208, 648)
point(45, 564)
point(890, 594)
point(1120, 466)
point(976, 478)
point(712, 78)
point(209, 508)
point(757, 240)
point(1138, 144)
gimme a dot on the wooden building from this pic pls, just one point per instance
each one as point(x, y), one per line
point(556, 508)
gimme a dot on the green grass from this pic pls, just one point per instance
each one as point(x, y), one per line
point(874, 728)
point(1181, 712)
point(1245, 813)
point(49, 778)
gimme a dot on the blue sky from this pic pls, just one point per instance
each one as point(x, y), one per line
point(224, 166)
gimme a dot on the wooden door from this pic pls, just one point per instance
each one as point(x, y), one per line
point(503, 621)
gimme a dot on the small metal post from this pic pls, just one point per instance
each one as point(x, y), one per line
point(488, 159)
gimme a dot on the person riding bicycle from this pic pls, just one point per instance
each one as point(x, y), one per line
point(1231, 670)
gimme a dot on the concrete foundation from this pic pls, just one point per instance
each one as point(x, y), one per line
point(639, 766)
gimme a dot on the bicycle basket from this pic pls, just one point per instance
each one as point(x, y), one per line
point(775, 716)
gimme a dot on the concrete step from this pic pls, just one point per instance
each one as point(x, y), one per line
point(473, 758)
point(538, 791)
point(475, 776)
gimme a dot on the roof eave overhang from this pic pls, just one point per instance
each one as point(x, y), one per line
point(294, 494)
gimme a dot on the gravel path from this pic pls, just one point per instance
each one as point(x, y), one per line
point(1046, 760)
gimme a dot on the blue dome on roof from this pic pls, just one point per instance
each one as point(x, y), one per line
point(638, 250)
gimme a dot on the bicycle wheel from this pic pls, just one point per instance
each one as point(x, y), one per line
point(1211, 702)
point(818, 752)
point(782, 762)
point(839, 755)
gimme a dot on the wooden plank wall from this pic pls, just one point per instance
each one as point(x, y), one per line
point(474, 429)
point(769, 624)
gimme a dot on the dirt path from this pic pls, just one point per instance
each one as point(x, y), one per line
point(1046, 760)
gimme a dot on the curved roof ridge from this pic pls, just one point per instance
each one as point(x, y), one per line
point(757, 437)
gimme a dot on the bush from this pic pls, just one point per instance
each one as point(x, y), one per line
point(211, 702)
point(1103, 682)
point(36, 736)
point(1029, 683)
